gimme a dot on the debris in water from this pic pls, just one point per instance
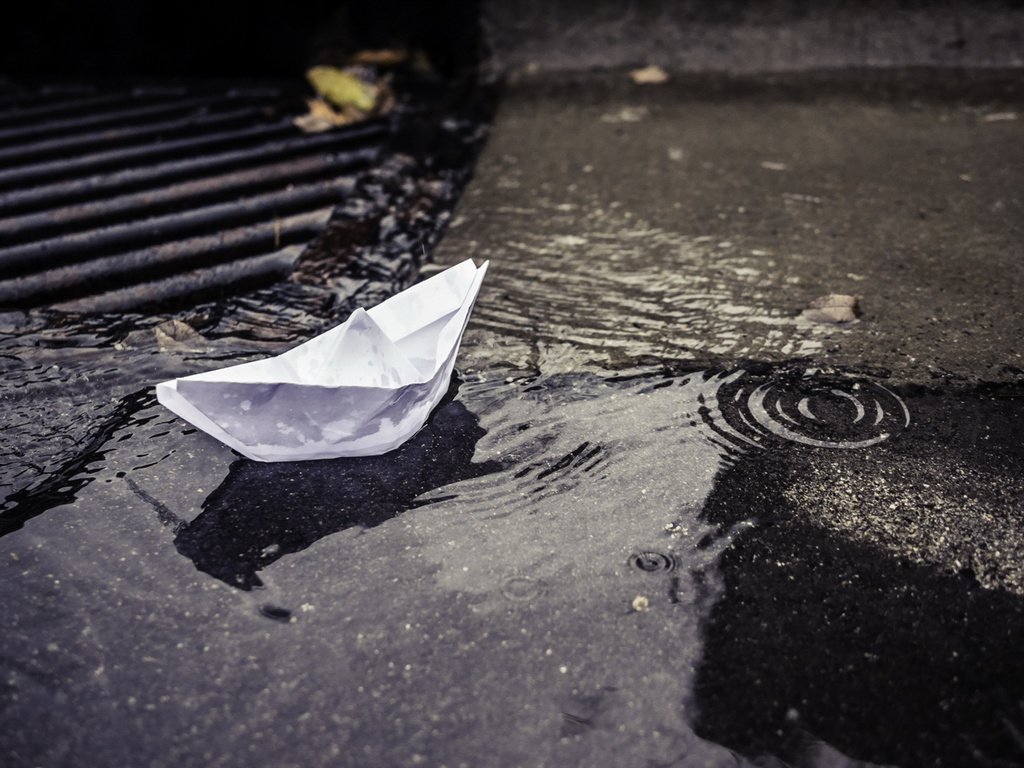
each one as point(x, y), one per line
point(625, 115)
point(652, 74)
point(384, 57)
point(178, 335)
point(640, 603)
point(345, 96)
point(352, 93)
point(834, 308)
point(276, 613)
point(344, 87)
point(320, 117)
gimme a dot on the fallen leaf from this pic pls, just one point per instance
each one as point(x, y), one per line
point(652, 74)
point(834, 308)
point(177, 335)
point(384, 57)
point(345, 96)
point(344, 88)
point(321, 117)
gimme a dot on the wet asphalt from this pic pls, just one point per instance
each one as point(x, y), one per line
point(661, 518)
point(874, 606)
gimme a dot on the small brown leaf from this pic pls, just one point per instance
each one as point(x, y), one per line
point(833, 308)
point(384, 57)
point(321, 117)
point(652, 74)
point(179, 335)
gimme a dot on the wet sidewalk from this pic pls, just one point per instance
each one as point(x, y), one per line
point(862, 480)
point(695, 220)
point(662, 519)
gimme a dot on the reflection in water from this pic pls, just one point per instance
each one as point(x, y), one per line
point(262, 512)
point(603, 474)
point(833, 620)
point(66, 479)
point(594, 506)
point(515, 592)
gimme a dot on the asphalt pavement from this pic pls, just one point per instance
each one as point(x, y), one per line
point(664, 517)
point(873, 607)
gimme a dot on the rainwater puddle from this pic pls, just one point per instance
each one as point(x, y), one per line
point(527, 579)
point(649, 292)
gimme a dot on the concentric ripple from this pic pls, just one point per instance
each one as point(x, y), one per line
point(815, 412)
point(653, 562)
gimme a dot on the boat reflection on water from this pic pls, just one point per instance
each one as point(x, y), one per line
point(262, 512)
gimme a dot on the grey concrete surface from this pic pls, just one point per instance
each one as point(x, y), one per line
point(867, 606)
point(752, 35)
point(710, 212)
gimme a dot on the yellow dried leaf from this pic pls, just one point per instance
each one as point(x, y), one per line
point(342, 88)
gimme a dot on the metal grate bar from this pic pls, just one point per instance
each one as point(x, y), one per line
point(14, 100)
point(58, 251)
point(115, 201)
point(120, 158)
point(64, 107)
point(91, 187)
point(191, 123)
point(136, 116)
point(251, 272)
point(161, 260)
point(178, 196)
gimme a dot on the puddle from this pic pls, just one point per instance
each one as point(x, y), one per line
point(560, 569)
point(262, 512)
point(534, 570)
point(637, 308)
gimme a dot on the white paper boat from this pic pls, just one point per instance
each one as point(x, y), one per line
point(360, 389)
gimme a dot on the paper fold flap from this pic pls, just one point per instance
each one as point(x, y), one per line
point(359, 354)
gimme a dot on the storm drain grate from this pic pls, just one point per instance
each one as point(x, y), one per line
point(110, 201)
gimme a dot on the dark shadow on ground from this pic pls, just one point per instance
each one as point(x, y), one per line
point(262, 512)
point(822, 632)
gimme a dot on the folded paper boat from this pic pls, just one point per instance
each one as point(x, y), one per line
point(360, 389)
